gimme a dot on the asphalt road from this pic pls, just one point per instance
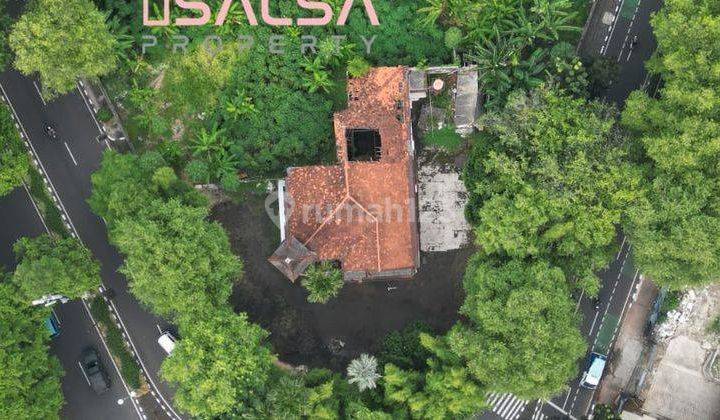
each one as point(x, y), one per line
point(18, 218)
point(621, 31)
point(68, 163)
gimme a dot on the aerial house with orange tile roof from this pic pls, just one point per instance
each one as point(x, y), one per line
point(362, 211)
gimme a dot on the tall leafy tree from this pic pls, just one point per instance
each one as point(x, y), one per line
point(549, 179)
point(14, 160)
point(126, 183)
point(5, 24)
point(63, 40)
point(30, 381)
point(521, 334)
point(50, 266)
point(220, 366)
point(675, 231)
point(444, 389)
point(177, 262)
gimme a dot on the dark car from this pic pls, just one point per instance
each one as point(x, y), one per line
point(93, 371)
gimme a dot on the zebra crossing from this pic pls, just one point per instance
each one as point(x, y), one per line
point(537, 414)
point(506, 406)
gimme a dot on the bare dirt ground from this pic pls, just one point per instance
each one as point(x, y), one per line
point(679, 389)
point(357, 320)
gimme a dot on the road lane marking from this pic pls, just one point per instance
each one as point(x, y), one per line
point(142, 364)
point(112, 360)
point(39, 93)
point(70, 152)
point(582, 293)
point(617, 9)
point(37, 210)
point(551, 404)
point(84, 374)
point(73, 231)
point(89, 108)
point(622, 245)
point(54, 193)
point(593, 323)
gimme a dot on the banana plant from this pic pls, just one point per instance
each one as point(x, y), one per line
point(317, 77)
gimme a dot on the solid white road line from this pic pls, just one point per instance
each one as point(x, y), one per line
point(92, 113)
point(622, 245)
point(142, 364)
point(73, 231)
point(37, 210)
point(54, 193)
point(84, 374)
point(551, 404)
point(70, 152)
point(593, 323)
point(112, 360)
point(39, 93)
point(617, 10)
point(582, 293)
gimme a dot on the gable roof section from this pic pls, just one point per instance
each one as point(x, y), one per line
point(362, 213)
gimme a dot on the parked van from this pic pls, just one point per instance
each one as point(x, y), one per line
point(52, 325)
point(593, 374)
point(167, 342)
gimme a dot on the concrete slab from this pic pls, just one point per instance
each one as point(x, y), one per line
point(679, 391)
point(442, 198)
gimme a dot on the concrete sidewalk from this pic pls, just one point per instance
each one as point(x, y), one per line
point(629, 347)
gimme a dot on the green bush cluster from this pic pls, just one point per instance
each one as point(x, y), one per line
point(129, 367)
point(51, 214)
point(104, 114)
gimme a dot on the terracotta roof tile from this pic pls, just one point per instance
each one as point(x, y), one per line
point(362, 213)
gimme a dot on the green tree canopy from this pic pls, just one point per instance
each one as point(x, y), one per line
point(14, 160)
point(177, 262)
point(323, 281)
point(521, 334)
point(548, 179)
point(49, 266)
point(126, 183)
point(675, 231)
point(30, 381)
point(5, 24)
point(220, 365)
point(63, 40)
point(443, 390)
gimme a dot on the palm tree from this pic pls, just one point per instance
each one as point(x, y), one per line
point(323, 281)
point(363, 372)
point(433, 11)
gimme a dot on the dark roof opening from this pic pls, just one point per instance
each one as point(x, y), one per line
point(363, 144)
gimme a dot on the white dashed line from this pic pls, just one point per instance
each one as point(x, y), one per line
point(70, 153)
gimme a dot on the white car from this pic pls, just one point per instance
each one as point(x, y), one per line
point(167, 341)
point(593, 374)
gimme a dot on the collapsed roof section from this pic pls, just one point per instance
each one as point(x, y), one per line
point(362, 212)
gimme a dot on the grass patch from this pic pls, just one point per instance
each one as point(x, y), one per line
point(129, 368)
point(46, 205)
point(444, 138)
